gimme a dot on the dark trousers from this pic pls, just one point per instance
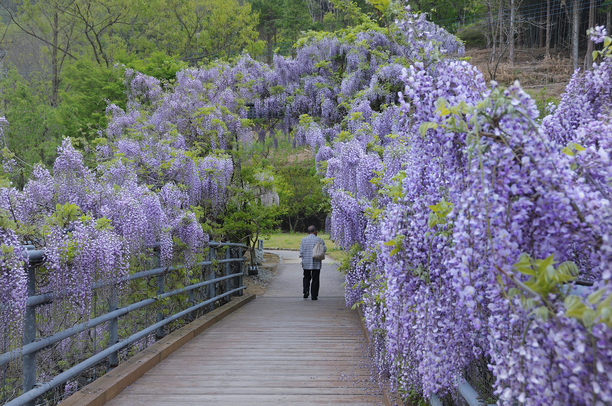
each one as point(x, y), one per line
point(314, 275)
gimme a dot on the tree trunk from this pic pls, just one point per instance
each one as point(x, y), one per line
point(500, 26)
point(575, 36)
point(548, 33)
point(55, 61)
point(609, 22)
point(588, 58)
point(493, 39)
point(511, 33)
point(297, 220)
point(542, 27)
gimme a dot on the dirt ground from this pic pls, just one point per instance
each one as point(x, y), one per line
point(535, 72)
point(258, 283)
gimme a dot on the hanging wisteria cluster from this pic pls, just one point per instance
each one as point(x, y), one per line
point(13, 281)
point(90, 221)
point(475, 220)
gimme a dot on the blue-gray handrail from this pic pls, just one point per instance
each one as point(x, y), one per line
point(32, 345)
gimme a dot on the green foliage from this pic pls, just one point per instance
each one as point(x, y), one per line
point(347, 262)
point(34, 132)
point(380, 5)
point(89, 88)
point(473, 35)
point(397, 243)
point(395, 189)
point(543, 99)
point(449, 14)
point(304, 200)
point(572, 149)
point(544, 279)
point(576, 308)
point(247, 216)
point(439, 212)
point(157, 64)
point(64, 214)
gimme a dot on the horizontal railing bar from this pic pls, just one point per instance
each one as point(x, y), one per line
point(469, 394)
point(34, 255)
point(434, 400)
point(38, 300)
point(227, 244)
point(37, 255)
point(49, 297)
point(64, 334)
point(75, 370)
point(466, 391)
point(157, 271)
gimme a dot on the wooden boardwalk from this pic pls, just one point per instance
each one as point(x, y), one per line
point(277, 350)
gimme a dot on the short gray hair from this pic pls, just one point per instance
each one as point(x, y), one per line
point(311, 229)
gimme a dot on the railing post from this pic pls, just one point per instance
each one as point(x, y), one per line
point(211, 275)
point(29, 335)
point(191, 300)
point(159, 333)
point(228, 270)
point(240, 269)
point(113, 328)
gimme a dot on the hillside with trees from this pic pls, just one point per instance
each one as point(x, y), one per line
point(62, 60)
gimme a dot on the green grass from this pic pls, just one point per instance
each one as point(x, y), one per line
point(292, 241)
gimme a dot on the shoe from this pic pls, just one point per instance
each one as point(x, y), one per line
point(314, 298)
point(305, 296)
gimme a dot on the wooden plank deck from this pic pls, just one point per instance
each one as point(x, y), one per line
point(277, 350)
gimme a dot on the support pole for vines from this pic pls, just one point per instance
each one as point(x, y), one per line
point(113, 328)
point(211, 275)
point(228, 269)
point(240, 270)
point(29, 336)
point(159, 334)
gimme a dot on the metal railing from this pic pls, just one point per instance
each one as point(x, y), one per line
point(230, 283)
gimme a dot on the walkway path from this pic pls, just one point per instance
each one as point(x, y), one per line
point(280, 349)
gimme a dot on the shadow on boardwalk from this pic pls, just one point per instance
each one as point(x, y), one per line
point(280, 349)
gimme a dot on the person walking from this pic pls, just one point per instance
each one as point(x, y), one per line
point(311, 266)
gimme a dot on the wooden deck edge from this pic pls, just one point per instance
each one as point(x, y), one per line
point(112, 383)
point(391, 399)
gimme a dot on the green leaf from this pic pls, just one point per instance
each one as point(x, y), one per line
point(604, 303)
point(543, 264)
point(588, 317)
point(527, 303)
point(568, 268)
point(380, 5)
point(606, 316)
point(566, 272)
point(426, 126)
point(574, 307)
point(441, 107)
point(572, 148)
point(596, 296)
point(542, 312)
point(524, 265)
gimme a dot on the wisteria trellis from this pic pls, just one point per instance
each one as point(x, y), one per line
point(454, 192)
